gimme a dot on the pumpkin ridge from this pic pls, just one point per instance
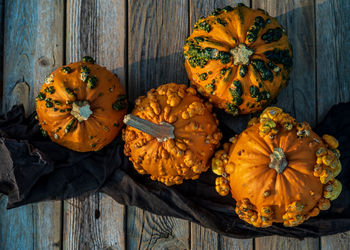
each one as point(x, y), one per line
point(293, 165)
point(211, 42)
point(262, 196)
point(282, 189)
point(260, 140)
point(287, 143)
point(257, 74)
point(296, 176)
point(224, 90)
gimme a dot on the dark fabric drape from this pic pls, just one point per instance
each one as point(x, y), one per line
point(33, 169)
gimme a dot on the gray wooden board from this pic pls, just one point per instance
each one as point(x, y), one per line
point(156, 33)
point(2, 3)
point(148, 231)
point(95, 28)
point(333, 65)
point(27, 38)
point(333, 46)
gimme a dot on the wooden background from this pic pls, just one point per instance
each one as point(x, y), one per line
point(142, 42)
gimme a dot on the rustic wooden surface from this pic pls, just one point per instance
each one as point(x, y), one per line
point(142, 41)
point(2, 2)
point(31, 51)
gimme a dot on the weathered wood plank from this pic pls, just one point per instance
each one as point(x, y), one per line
point(30, 227)
point(338, 241)
point(237, 244)
point(202, 237)
point(333, 65)
point(93, 222)
point(298, 97)
point(274, 242)
point(2, 2)
point(30, 50)
point(157, 30)
point(95, 28)
point(148, 231)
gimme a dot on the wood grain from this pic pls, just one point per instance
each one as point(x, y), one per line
point(275, 242)
point(148, 231)
point(2, 2)
point(237, 244)
point(93, 222)
point(28, 36)
point(157, 31)
point(299, 97)
point(29, 227)
point(332, 30)
point(338, 241)
point(203, 238)
point(95, 28)
point(156, 34)
point(333, 65)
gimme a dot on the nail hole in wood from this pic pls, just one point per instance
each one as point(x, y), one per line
point(97, 214)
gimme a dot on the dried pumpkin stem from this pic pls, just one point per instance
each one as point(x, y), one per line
point(81, 110)
point(241, 54)
point(278, 160)
point(162, 131)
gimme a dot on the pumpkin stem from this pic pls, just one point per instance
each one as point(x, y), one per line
point(278, 160)
point(241, 54)
point(162, 131)
point(81, 110)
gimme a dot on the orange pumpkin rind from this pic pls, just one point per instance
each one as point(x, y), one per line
point(270, 126)
point(196, 135)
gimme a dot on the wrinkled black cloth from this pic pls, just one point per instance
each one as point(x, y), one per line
point(32, 169)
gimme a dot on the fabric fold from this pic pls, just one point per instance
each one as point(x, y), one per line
point(33, 169)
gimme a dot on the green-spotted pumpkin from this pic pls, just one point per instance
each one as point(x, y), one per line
point(81, 106)
point(240, 58)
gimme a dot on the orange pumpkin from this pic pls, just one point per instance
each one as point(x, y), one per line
point(81, 106)
point(240, 58)
point(278, 170)
point(171, 134)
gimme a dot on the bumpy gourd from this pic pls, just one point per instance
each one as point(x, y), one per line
point(81, 106)
point(240, 58)
point(278, 170)
point(175, 137)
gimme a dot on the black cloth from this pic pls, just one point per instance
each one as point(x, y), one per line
point(32, 169)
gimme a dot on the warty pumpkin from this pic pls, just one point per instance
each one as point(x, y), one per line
point(278, 170)
point(240, 58)
point(171, 134)
point(81, 106)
